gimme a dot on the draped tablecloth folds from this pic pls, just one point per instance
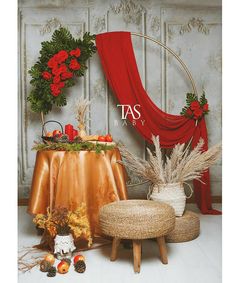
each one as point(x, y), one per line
point(68, 178)
point(119, 64)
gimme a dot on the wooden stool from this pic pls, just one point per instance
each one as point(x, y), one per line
point(137, 220)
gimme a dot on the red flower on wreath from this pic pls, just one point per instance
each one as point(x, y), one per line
point(74, 65)
point(57, 71)
point(61, 56)
point(76, 52)
point(55, 89)
point(205, 107)
point(56, 79)
point(197, 113)
point(61, 84)
point(46, 75)
point(195, 105)
point(66, 75)
point(52, 63)
point(189, 112)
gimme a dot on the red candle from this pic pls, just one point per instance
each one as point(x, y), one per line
point(69, 131)
point(75, 133)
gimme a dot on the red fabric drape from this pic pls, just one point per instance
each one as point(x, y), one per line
point(118, 60)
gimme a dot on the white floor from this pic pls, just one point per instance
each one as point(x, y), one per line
point(198, 261)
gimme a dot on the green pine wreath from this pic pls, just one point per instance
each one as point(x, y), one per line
point(61, 61)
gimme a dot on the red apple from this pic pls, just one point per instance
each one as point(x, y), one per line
point(63, 267)
point(101, 138)
point(108, 138)
point(50, 258)
point(78, 257)
point(57, 132)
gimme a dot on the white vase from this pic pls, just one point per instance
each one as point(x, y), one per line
point(172, 194)
point(64, 246)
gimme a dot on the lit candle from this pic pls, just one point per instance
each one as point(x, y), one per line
point(69, 131)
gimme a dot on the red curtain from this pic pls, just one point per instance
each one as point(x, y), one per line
point(118, 60)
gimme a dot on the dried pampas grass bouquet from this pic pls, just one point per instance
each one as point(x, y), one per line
point(182, 165)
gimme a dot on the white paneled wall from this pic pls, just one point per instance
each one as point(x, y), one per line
point(191, 28)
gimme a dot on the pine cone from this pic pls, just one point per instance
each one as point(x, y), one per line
point(68, 260)
point(80, 266)
point(45, 266)
point(51, 272)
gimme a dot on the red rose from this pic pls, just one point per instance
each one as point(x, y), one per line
point(52, 63)
point(195, 105)
point(74, 65)
point(57, 71)
point(56, 79)
point(76, 52)
point(189, 112)
point(61, 84)
point(205, 107)
point(197, 113)
point(63, 68)
point(46, 75)
point(61, 56)
point(55, 89)
point(66, 75)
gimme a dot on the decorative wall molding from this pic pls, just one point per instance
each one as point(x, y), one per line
point(100, 24)
point(154, 24)
point(131, 11)
point(215, 62)
point(99, 88)
point(50, 25)
point(195, 23)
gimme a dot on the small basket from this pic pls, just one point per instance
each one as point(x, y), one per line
point(50, 139)
point(172, 194)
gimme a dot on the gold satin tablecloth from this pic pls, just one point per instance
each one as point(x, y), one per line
point(68, 178)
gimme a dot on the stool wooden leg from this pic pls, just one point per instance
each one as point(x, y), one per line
point(115, 244)
point(137, 255)
point(162, 249)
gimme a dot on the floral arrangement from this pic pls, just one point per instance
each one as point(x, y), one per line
point(62, 221)
point(62, 60)
point(195, 109)
point(182, 165)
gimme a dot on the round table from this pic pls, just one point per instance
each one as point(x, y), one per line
point(69, 178)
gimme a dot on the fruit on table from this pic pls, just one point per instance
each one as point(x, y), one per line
point(49, 134)
point(63, 267)
point(108, 138)
point(57, 133)
point(50, 258)
point(77, 258)
point(101, 138)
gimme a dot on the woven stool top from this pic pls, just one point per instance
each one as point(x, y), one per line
point(136, 219)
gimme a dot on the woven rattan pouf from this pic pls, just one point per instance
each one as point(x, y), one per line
point(187, 228)
point(137, 220)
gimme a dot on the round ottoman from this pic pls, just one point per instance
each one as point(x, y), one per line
point(187, 228)
point(137, 220)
